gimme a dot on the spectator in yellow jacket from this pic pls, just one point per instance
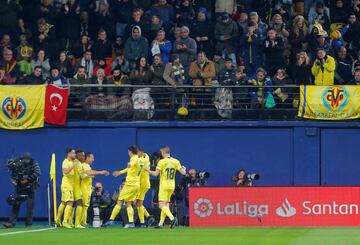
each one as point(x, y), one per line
point(323, 68)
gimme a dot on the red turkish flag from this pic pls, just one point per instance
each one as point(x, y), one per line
point(56, 103)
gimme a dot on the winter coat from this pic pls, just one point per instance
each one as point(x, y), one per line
point(188, 54)
point(226, 36)
point(253, 52)
point(202, 76)
point(325, 75)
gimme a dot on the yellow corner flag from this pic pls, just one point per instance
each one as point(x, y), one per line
point(52, 167)
point(53, 178)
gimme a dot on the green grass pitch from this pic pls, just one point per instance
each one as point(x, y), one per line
point(218, 236)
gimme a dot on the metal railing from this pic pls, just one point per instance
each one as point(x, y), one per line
point(162, 103)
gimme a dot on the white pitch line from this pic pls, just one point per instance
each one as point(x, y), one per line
point(21, 232)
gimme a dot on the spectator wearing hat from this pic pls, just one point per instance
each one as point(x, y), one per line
point(56, 78)
point(226, 34)
point(185, 47)
point(185, 14)
point(252, 43)
point(135, 46)
point(202, 31)
point(274, 52)
point(323, 69)
point(219, 62)
point(316, 43)
point(164, 47)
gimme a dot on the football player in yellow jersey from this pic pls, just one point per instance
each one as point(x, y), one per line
point(67, 189)
point(144, 187)
point(166, 168)
point(87, 174)
point(130, 190)
point(80, 158)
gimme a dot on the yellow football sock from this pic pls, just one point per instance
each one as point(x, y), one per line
point(115, 212)
point(67, 213)
point(168, 213)
point(130, 213)
point(83, 220)
point(141, 215)
point(71, 217)
point(162, 217)
point(146, 213)
point(60, 211)
point(79, 210)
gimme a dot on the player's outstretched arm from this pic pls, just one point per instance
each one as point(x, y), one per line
point(153, 173)
point(97, 172)
point(118, 173)
point(183, 170)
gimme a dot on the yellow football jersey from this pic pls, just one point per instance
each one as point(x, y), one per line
point(77, 170)
point(168, 167)
point(68, 179)
point(134, 171)
point(86, 181)
point(144, 176)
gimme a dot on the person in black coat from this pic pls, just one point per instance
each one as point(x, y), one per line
point(274, 52)
point(121, 10)
point(102, 48)
point(201, 30)
point(138, 18)
point(301, 69)
point(69, 24)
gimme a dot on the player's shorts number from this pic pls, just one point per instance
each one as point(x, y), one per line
point(170, 173)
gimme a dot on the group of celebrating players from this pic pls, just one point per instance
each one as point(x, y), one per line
point(76, 187)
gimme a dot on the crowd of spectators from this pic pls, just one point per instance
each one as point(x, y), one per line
point(182, 42)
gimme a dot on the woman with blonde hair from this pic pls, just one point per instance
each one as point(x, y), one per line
point(298, 36)
point(301, 69)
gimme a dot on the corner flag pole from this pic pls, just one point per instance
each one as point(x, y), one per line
point(53, 178)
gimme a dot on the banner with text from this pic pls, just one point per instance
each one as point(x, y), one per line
point(274, 206)
point(329, 102)
point(22, 107)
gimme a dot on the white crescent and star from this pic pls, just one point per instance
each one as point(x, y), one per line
point(55, 95)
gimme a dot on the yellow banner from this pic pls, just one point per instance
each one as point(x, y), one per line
point(22, 107)
point(329, 102)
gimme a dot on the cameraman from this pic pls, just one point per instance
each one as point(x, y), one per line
point(25, 172)
point(242, 179)
point(102, 200)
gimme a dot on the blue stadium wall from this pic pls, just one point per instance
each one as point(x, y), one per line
point(283, 153)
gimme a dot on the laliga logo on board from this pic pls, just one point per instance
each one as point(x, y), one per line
point(14, 108)
point(203, 208)
point(285, 210)
point(335, 98)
